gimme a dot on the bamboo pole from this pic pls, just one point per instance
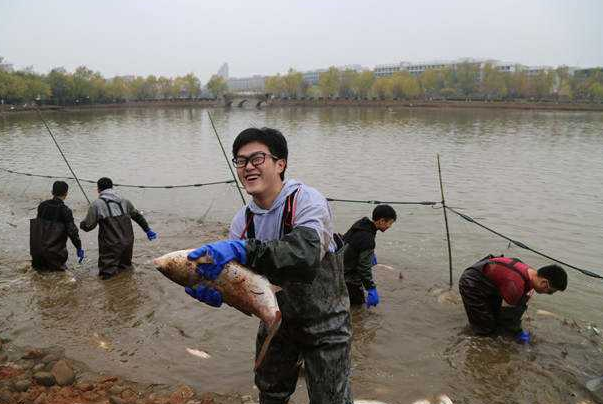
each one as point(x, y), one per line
point(445, 221)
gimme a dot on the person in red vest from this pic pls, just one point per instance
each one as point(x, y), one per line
point(495, 292)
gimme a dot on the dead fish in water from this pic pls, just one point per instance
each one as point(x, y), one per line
point(196, 352)
point(240, 287)
point(546, 313)
point(383, 266)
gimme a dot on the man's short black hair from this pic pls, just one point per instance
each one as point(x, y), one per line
point(60, 188)
point(104, 183)
point(556, 276)
point(384, 212)
point(272, 138)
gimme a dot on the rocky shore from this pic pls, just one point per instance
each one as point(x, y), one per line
point(47, 376)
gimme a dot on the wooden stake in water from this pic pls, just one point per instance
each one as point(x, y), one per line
point(445, 220)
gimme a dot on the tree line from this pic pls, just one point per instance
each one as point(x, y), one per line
point(464, 81)
point(84, 86)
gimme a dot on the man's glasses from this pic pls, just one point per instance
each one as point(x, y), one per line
point(255, 159)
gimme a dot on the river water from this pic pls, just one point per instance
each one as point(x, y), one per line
point(535, 176)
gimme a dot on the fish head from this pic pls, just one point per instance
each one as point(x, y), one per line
point(176, 266)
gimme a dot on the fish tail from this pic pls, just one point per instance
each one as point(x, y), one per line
point(272, 330)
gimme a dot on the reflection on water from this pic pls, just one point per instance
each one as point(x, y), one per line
point(533, 175)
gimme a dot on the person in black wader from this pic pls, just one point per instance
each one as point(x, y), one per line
point(359, 254)
point(115, 235)
point(48, 232)
point(286, 234)
point(495, 292)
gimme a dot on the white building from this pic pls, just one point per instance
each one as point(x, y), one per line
point(418, 68)
point(253, 84)
point(389, 69)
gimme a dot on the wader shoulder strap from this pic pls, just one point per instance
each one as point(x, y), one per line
point(249, 230)
point(108, 201)
point(511, 266)
point(289, 213)
point(287, 221)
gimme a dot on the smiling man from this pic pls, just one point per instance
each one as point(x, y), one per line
point(286, 234)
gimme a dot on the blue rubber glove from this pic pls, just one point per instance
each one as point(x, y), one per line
point(523, 337)
point(221, 253)
point(206, 295)
point(372, 297)
point(151, 235)
point(80, 255)
point(374, 259)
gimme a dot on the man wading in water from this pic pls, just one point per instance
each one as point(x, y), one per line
point(115, 234)
point(49, 231)
point(286, 234)
point(496, 290)
point(360, 253)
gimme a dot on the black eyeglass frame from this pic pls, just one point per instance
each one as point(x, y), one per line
point(259, 157)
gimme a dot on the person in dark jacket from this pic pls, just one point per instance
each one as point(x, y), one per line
point(495, 292)
point(113, 214)
point(286, 234)
point(360, 253)
point(49, 231)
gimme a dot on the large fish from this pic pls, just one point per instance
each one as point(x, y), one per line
point(240, 287)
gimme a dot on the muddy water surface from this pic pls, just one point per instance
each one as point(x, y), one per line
point(535, 176)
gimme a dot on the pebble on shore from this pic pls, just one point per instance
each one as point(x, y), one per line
point(45, 376)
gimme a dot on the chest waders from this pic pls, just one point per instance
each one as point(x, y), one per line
point(483, 301)
point(48, 243)
point(115, 241)
point(316, 331)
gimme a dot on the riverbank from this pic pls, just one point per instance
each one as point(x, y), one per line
point(28, 108)
point(523, 105)
point(320, 102)
point(47, 376)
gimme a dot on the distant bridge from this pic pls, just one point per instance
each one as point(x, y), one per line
point(240, 99)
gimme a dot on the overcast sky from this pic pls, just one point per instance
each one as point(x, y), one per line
point(175, 37)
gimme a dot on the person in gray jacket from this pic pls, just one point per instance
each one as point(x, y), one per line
point(286, 234)
point(113, 214)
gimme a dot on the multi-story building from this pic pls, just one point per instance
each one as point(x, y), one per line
point(223, 71)
point(312, 76)
point(534, 70)
point(505, 67)
point(251, 84)
point(389, 69)
point(418, 68)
